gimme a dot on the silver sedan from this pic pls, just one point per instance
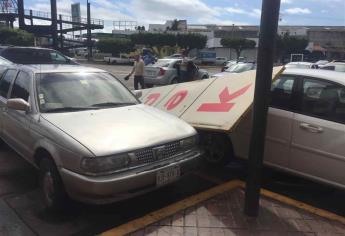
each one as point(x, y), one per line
point(165, 72)
point(89, 136)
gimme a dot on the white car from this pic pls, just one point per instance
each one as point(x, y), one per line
point(306, 126)
point(301, 65)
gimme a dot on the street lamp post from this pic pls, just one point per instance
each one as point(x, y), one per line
point(267, 38)
point(89, 43)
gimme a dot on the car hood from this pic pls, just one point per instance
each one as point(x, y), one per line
point(115, 130)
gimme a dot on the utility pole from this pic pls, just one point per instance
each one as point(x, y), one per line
point(267, 38)
point(54, 23)
point(89, 43)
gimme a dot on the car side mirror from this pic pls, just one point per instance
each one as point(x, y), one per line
point(138, 93)
point(18, 104)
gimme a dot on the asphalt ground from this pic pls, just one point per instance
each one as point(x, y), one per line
point(120, 71)
point(22, 212)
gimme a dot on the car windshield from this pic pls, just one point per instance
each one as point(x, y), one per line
point(58, 92)
point(163, 63)
point(238, 68)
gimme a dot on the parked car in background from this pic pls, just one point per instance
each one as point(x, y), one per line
point(321, 62)
point(175, 56)
point(237, 68)
point(165, 72)
point(221, 61)
point(228, 64)
point(305, 132)
point(301, 65)
point(121, 60)
point(89, 136)
point(336, 66)
point(35, 55)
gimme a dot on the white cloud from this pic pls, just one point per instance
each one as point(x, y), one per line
point(151, 11)
point(297, 11)
point(253, 13)
point(286, 1)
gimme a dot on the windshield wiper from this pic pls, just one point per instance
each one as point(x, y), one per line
point(113, 104)
point(62, 109)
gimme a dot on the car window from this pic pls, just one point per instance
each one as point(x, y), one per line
point(340, 68)
point(5, 82)
point(324, 100)
point(57, 58)
point(281, 92)
point(86, 90)
point(21, 86)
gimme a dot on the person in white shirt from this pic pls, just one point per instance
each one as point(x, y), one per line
point(138, 70)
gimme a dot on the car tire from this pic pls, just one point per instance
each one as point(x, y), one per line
point(148, 85)
point(53, 192)
point(218, 148)
point(204, 77)
point(174, 81)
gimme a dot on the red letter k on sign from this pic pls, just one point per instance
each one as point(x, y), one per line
point(225, 97)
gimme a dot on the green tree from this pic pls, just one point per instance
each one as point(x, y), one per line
point(286, 45)
point(191, 41)
point(115, 46)
point(154, 40)
point(16, 37)
point(238, 44)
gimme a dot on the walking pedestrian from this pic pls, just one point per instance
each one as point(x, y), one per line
point(138, 70)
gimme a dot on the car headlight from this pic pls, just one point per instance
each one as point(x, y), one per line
point(108, 164)
point(189, 142)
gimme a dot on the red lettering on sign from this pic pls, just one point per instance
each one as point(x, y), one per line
point(152, 98)
point(176, 99)
point(224, 98)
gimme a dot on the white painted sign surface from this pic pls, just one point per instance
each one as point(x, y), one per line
point(215, 104)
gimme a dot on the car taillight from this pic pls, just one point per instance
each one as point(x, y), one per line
point(161, 72)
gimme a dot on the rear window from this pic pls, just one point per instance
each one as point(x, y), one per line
point(163, 63)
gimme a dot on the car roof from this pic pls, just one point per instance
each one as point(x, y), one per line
point(56, 68)
point(31, 48)
point(334, 76)
point(299, 63)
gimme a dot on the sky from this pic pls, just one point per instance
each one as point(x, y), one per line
point(222, 12)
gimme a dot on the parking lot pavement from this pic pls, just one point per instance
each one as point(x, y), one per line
point(120, 71)
point(21, 208)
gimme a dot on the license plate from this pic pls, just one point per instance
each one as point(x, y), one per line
point(167, 175)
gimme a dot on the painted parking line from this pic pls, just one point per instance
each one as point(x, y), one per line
point(160, 214)
point(165, 212)
point(283, 199)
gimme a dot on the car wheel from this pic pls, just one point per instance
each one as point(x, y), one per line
point(54, 195)
point(174, 81)
point(204, 77)
point(148, 85)
point(218, 148)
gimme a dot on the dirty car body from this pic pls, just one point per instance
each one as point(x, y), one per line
point(105, 144)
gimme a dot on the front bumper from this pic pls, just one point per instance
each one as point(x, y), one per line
point(112, 188)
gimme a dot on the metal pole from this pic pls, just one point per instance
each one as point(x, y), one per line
point(54, 23)
point(61, 33)
point(268, 31)
point(89, 55)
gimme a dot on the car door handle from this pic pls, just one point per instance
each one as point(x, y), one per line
point(311, 128)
